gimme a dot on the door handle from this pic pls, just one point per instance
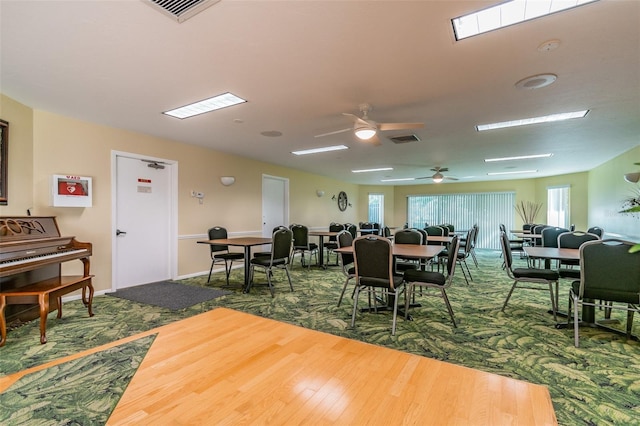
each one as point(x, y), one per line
point(118, 232)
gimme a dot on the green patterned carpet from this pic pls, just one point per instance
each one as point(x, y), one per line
point(596, 384)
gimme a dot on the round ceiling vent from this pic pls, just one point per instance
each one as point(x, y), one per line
point(536, 81)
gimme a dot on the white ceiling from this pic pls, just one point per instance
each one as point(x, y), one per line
point(300, 64)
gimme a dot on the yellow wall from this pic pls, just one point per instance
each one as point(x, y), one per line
point(42, 144)
point(607, 192)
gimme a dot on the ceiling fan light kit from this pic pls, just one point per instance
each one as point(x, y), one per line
point(364, 132)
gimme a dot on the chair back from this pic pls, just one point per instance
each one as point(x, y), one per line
point(470, 236)
point(218, 233)
point(386, 232)
point(335, 227)
point(451, 260)
point(353, 229)
point(527, 227)
point(345, 239)
point(373, 261)
point(550, 236)
point(435, 231)
point(609, 272)
point(281, 244)
point(506, 252)
point(575, 239)
point(407, 236)
point(449, 228)
point(476, 229)
point(424, 235)
point(596, 230)
point(300, 236)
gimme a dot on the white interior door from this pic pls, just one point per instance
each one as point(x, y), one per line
point(143, 231)
point(275, 203)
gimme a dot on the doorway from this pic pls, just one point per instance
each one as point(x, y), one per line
point(145, 215)
point(275, 203)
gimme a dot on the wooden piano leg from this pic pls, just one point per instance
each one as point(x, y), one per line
point(43, 301)
point(90, 298)
point(59, 307)
point(3, 323)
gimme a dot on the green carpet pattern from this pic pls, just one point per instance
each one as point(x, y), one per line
point(80, 392)
point(596, 384)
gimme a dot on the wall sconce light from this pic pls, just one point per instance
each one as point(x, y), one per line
point(319, 193)
point(227, 180)
point(632, 177)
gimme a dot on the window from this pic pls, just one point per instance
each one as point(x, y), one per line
point(376, 208)
point(488, 210)
point(558, 206)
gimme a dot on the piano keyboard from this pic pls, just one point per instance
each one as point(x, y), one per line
point(46, 256)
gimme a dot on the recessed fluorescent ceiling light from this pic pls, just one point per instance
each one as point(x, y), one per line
point(508, 13)
point(535, 120)
point(397, 180)
point(512, 173)
point(317, 150)
point(381, 169)
point(521, 157)
point(207, 105)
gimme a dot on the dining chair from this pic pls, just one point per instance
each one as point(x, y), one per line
point(373, 258)
point(429, 279)
point(608, 272)
point(461, 255)
point(345, 239)
point(571, 268)
point(280, 258)
point(302, 245)
point(596, 230)
point(534, 278)
point(352, 228)
point(268, 253)
point(332, 243)
point(221, 253)
point(406, 236)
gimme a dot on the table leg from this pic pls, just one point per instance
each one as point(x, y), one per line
point(3, 324)
point(247, 267)
point(321, 251)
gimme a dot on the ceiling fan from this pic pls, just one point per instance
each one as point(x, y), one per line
point(367, 130)
point(438, 176)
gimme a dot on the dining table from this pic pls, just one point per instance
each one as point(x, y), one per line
point(408, 251)
point(247, 243)
point(554, 253)
point(321, 235)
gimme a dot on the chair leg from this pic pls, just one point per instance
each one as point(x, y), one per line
point(344, 288)
point(449, 308)
point(286, 269)
point(210, 270)
point(411, 289)
point(227, 269)
point(576, 333)
point(473, 256)
point(395, 311)
point(269, 282)
point(355, 305)
point(513, 287)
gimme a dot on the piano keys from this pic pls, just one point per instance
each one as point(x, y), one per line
point(31, 255)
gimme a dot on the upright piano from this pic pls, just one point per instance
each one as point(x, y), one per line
point(31, 283)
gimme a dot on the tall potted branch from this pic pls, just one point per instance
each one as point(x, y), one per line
point(632, 205)
point(528, 210)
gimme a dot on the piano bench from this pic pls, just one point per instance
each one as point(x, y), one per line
point(41, 293)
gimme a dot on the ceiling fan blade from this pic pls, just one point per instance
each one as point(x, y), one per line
point(449, 178)
point(400, 126)
point(356, 119)
point(333, 133)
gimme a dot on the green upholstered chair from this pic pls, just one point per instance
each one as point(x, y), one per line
point(280, 258)
point(345, 239)
point(609, 273)
point(532, 278)
point(221, 253)
point(302, 245)
point(373, 256)
point(429, 279)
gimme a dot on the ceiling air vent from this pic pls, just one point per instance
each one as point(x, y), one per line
point(405, 139)
point(180, 10)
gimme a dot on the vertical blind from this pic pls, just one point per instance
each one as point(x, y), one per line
point(488, 210)
point(376, 208)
